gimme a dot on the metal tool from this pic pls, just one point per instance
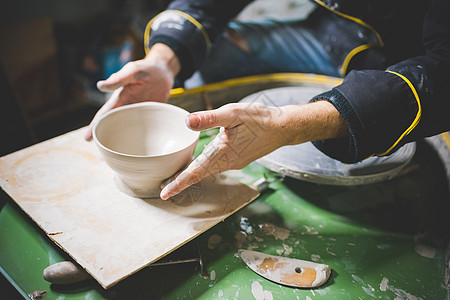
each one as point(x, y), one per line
point(68, 272)
point(198, 259)
point(287, 271)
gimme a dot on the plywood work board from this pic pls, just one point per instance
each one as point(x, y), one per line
point(66, 188)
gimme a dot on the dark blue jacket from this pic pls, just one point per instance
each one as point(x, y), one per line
point(395, 56)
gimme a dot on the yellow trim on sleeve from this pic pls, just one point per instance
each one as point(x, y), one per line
point(445, 136)
point(350, 55)
point(356, 20)
point(252, 79)
point(184, 15)
point(358, 49)
point(416, 119)
point(147, 33)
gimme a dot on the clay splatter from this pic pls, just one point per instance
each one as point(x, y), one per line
point(278, 232)
point(401, 294)
point(367, 288)
point(310, 230)
point(214, 240)
point(268, 295)
point(245, 225)
point(315, 257)
point(323, 291)
point(383, 246)
point(252, 247)
point(259, 293)
point(236, 295)
point(286, 250)
point(425, 251)
point(384, 284)
point(240, 237)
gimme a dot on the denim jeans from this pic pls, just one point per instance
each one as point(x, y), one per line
point(274, 47)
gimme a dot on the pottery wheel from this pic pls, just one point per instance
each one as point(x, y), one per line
point(306, 163)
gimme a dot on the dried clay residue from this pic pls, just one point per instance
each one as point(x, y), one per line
point(286, 250)
point(315, 257)
point(279, 233)
point(214, 240)
point(384, 284)
point(259, 293)
point(240, 238)
point(425, 251)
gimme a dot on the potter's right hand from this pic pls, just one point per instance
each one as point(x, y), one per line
point(148, 79)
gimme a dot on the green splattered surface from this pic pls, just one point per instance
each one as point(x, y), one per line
point(383, 241)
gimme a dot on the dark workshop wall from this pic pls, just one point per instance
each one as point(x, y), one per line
point(51, 55)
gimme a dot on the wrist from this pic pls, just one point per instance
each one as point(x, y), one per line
point(309, 122)
point(163, 56)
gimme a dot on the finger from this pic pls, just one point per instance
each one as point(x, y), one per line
point(172, 178)
point(185, 179)
point(105, 86)
point(204, 165)
point(225, 116)
point(110, 104)
point(118, 79)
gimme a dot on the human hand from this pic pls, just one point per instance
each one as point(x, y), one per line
point(248, 132)
point(251, 130)
point(148, 79)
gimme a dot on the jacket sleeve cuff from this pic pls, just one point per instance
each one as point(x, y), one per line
point(344, 149)
point(183, 34)
point(182, 53)
point(380, 109)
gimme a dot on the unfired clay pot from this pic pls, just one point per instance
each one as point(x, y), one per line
point(144, 144)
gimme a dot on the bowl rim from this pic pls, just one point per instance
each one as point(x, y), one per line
point(132, 106)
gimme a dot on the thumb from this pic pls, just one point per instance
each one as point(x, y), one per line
point(118, 79)
point(108, 85)
point(221, 117)
point(110, 104)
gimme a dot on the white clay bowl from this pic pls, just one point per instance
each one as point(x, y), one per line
point(145, 143)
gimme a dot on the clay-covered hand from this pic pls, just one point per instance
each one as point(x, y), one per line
point(250, 131)
point(148, 79)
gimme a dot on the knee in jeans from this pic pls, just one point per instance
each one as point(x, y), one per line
point(237, 39)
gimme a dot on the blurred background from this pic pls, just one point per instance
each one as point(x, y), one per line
point(52, 53)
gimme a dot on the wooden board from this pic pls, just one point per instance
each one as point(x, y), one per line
point(66, 188)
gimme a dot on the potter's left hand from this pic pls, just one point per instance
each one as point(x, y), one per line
point(147, 79)
point(250, 131)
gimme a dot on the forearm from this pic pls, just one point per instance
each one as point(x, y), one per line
point(314, 121)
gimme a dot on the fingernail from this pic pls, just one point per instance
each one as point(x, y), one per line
point(192, 121)
point(164, 194)
point(100, 85)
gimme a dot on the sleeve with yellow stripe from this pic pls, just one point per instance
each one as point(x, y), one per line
point(183, 34)
point(378, 108)
point(189, 28)
point(384, 110)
